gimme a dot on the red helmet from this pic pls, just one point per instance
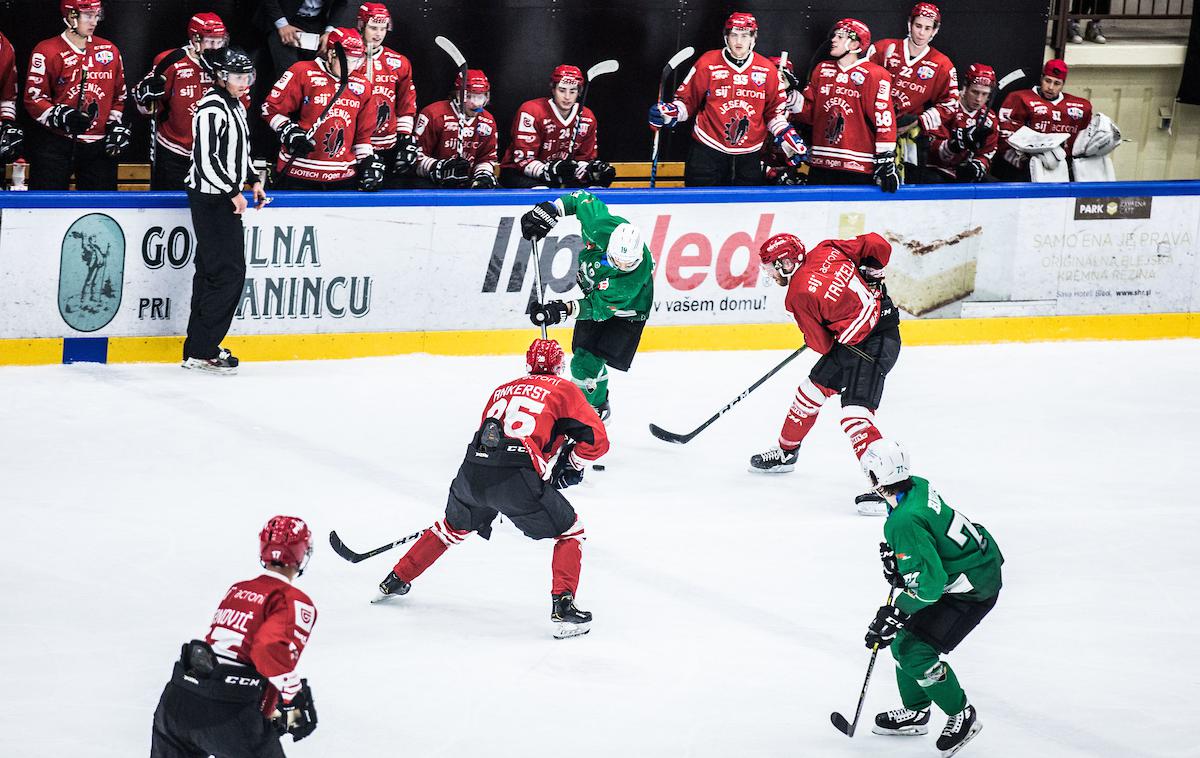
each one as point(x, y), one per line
point(782, 247)
point(1056, 68)
point(350, 40)
point(207, 25)
point(79, 6)
point(926, 10)
point(374, 13)
point(477, 82)
point(285, 541)
point(776, 58)
point(981, 74)
point(568, 74)
point(858, 29)
point(544, 357)
point(741, 20)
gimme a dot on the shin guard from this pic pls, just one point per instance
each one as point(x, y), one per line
point(803, 413)
point(427, 549)
point(858, 422)
point(568, 560)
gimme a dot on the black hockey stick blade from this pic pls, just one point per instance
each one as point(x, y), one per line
point(841, 724)
point(340, 548)
point(678, 439)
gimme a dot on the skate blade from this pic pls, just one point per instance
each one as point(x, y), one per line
point(970, 736)
point(777, 470)
point(382, 598)
point(204, 368)
point(564, 631)
point(907, 731)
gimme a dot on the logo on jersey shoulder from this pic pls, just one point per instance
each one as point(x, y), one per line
point(356, 87)
point(394, 62)
point(306, 615)
point(483, 129)
point(91, 272)
point(857, 77)
point(758, 77)
point(185, 73)
point(104, 57)
point(1040, 110)
point(37, 64)
point(719, 74)
point(526, 123)
point(925, 72)
point(1075, 112)
point(602, 285)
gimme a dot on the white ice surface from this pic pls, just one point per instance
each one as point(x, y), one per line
point(729, 607)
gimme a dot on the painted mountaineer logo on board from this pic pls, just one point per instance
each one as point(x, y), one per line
point(91, 272)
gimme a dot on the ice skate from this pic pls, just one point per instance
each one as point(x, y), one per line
point(392, 586)
point(774, 461)
point(902, 722)
point(870, 504)
point(960, 729)
point(224, 364)
point(605, 411)
point(568, 620)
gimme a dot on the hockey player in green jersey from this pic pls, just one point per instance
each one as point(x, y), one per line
point(616, 276)
point(948, 572)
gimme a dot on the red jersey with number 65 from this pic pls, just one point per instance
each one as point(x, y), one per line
point(265, 622)
point(851, 115)
point(539, 409)
point(829, 298)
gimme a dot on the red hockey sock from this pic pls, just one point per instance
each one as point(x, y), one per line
point(420, 556)
point(567, 560)
point(803, 413)
point(858, 423)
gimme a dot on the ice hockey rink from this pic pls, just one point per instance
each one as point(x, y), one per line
point(729, 608)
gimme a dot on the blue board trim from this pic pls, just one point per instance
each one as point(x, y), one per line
point(681, 196)
point(85, 350)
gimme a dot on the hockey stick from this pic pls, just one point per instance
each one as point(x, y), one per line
point(600, 69)
point(537, 277)
point(340, 50)
point(668, 69)
point(340, 548)
point(839, 721)
point(459, 60)
point(160, 70)
point(683, 439)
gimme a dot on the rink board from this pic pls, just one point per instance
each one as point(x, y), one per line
point(107, 276)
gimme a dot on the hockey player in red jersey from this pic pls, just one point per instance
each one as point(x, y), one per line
point(1045, 108)
point(848, 102)
point(238, 690)
point(457, 138)
point(535, 435)
point(169, 97)
point(545, 130)
point(964, 134)
point(12, 136)
point(391, 78)
point(735, 97)
point(332, 152)
point(76, 90)
point(836, 294)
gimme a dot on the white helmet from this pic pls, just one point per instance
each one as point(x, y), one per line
point(625, 247)
point(885, 462)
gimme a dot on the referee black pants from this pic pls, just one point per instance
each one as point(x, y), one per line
point(220, 273)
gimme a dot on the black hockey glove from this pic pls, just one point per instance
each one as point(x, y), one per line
point(484, 180)
point(792, 81)
point(883, 628)
point(12, 139)
point(977, 136)
point(872, 273)
point(537, 223)
point(887, 176)
point(559, 173)
point(407, 153)
point(549, 314)
point(116, 138)
point(600, 173)
point(453, 173)
point(71, 120)
point(299, 717)
point(150, 90)
point(370, 173)
point(585, 284)
point(891, 570)
point(564, 473)
point(296, 141)
point(970, 171)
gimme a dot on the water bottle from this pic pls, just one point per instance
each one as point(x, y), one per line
point(18, 176)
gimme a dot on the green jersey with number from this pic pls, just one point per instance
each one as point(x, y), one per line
point(608, 291)
point(939, 551)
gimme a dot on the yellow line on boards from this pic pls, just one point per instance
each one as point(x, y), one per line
point(279, 347)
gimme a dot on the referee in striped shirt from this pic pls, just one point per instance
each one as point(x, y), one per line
point(220, 168)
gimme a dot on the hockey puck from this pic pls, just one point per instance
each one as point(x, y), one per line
point(597, 467)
